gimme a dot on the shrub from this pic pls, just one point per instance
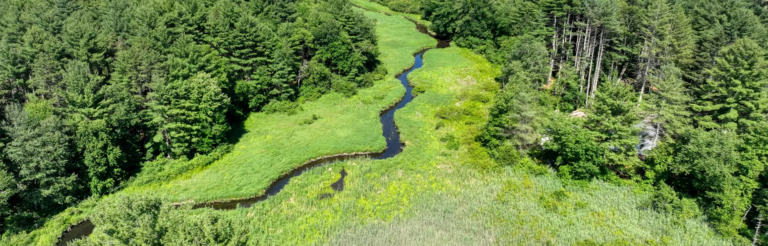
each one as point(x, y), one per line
point(343, 86)
point(665, 200)
point(288, 107)
point(450, 112)
point(310, 120)
point(451, 142)
point(506, 155)
point(418, 90)
point(162, 169)
point(574, 150)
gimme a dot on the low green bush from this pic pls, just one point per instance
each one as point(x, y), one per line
point(343, 86)
point(276, 106)
point(309, 121)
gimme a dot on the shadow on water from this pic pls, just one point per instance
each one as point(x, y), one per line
point(390, 132)
point(81, 230)
point(441, 43)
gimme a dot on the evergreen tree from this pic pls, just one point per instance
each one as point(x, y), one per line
point(666, 110)
point(734, 98)
point(189, 116)
point(613, 117)
point(667, 39)
point(709, 164)
point(40, 152)
point(718, 24)
point(102, 120)
point(284, 68)
point(515, 119)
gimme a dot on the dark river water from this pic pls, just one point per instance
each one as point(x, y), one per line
point(78, 231)
point(390, 132)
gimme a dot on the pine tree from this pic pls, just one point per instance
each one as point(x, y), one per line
point(667, 39)
point(86, 42)
point(40, 152)
point(284, 67)
point(613, 116)
point(189, 116)
point(710, 164)
point(666, 110)
point(734, 97)
point(515, 119)
point(102, 120)
point(718, 24)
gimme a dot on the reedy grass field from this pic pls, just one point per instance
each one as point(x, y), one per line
point(441, 190)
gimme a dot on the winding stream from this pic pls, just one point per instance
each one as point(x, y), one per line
point(390, 132)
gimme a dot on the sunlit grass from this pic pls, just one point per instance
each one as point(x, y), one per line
point(433, 195)
point(373, 6)
point(275, 144)
point(430, 194)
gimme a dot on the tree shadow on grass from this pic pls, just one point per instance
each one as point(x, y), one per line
point(236, 133)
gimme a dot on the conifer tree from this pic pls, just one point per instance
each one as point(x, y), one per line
point(734, 97)
point(40, 152)
point(189, 116)
point(666, 110)
point(613, 117)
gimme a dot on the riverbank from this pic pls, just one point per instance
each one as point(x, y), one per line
point(275, 144)
point(441, 190)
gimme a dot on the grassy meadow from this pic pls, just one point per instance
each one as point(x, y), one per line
point(275, 144)
point(375, 7)
point(442, 189)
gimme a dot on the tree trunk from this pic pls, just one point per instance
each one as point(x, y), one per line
point(591, 54)
point(623, 69)
point(579, 44)
point(167, 142)
point(596, 77)
point(553, 53)
point(648, 49)
point(757, 229)
point(745, 216)
point(598, 64)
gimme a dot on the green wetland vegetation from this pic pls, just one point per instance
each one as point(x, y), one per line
point(596, 122)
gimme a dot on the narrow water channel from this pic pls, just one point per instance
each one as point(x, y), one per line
point(390, 132)
point(80, 230)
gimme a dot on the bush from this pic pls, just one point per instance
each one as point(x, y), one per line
point(451, 142)
point(449, 112)
point(343, 86)
point(418, 90)
point(288, 107)
point(574, 150)
point(365, 80)
point(665, 200)
point(532, 167)
point(310, 120)
point(163, 169)
point(506, 155)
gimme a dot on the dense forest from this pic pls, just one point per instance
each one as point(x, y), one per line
point(670, 93)
point(92, 89)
